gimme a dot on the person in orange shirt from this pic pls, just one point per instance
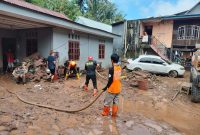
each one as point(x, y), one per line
point(113, 87)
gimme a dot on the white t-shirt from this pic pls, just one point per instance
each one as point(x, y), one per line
point(145, 39)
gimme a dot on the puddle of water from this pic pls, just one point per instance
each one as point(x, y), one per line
point(183, 121)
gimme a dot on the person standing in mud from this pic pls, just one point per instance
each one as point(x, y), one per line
point(10, 60)
point(51, 62)
point(90, 67)
point(113, 87)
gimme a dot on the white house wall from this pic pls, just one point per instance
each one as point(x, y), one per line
point(60, 44)
point(89, 46)
point(45, 41)
point(93, 50)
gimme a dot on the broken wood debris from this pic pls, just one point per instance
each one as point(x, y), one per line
point(135, 77)
point(36, 67)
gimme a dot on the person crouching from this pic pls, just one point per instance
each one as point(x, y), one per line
point(113, 87)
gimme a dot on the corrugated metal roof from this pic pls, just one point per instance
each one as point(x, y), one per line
point(36, 8)
point(188, 12)
point(75, 26)
point(94, 24)
point(180, 15)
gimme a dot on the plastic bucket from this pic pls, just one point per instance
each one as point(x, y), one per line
point(143, 84)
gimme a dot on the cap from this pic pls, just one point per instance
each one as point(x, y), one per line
point(90, 58)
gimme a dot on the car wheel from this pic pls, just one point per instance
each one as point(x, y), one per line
point(173, 74)
point(195, 94)
point(137, 69)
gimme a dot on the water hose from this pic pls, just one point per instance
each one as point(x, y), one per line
point(55, 108)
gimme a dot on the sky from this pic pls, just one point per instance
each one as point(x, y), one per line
point(137, 9)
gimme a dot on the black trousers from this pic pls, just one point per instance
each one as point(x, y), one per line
point(94, 80)
point(73, 69)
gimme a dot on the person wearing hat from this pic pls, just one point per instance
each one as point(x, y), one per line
point(71, 68)
point(113, 87)
point(90, 67)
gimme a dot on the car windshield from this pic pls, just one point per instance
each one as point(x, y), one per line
point(167, 61)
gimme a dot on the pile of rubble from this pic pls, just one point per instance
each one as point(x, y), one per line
point(132, 78)
point(34, 68)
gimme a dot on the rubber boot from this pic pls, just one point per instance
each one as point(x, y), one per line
point(85, 87)
point(114, 110)
point(95, 92)
point(77, 76)
point(106, 111)
point(66, 76)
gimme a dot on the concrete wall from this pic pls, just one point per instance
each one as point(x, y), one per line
point(45, 41)
point(60, 44)
point(93, 50)
point(164, 31)
point(118, 42)
point(44, 37)
point(89, 46)
point(5, 34)
point(161, 30)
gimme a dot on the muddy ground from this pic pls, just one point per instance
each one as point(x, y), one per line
point(141, 112)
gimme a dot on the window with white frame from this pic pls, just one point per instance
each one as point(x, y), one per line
point(189, 32)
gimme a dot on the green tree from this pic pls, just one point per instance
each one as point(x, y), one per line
point(100, 10)
point(67, 7)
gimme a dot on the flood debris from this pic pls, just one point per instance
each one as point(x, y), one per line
point(183, 87)
point(139, 78)
point(33, 68)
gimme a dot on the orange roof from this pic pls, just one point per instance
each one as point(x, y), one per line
point(30, 6)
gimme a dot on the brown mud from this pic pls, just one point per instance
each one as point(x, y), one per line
point(148, 112)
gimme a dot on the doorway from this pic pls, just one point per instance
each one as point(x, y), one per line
point(8, 44)
point(148, 29)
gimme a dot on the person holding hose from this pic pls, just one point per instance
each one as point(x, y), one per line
point(90, 67)
point(113, 87)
